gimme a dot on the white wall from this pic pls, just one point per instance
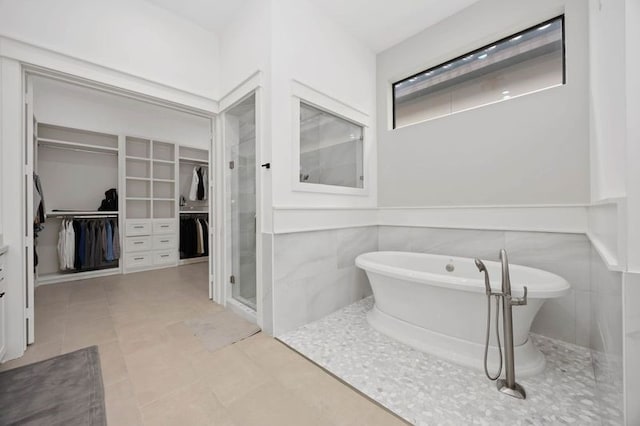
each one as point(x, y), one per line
point(245, 45)
point(308, 47)
point(607, 98)
point(73, 106)
point(532, 149)
point(131, 36)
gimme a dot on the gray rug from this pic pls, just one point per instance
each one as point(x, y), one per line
point(221, 329)
point(64, 390)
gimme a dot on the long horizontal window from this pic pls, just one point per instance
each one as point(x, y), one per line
point(522, 63)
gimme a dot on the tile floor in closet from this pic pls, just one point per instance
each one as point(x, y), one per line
point(156, 372)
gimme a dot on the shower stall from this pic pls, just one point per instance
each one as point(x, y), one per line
point(240, 190)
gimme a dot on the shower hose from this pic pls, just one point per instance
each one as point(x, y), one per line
point(486, 345)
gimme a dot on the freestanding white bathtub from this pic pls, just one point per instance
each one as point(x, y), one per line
point(437, 304)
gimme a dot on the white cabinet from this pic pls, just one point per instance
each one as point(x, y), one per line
point(150, 244)
point(3, 307)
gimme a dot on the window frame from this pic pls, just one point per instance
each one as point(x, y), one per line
point(473, 52)
point(305, 94)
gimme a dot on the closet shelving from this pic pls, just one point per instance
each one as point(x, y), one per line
point(150, 184)
point(188, 159)
point(76, 167)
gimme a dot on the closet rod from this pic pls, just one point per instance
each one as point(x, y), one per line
point(64, 148)
point(195, 163)
point(97, 216)
point(81, 215)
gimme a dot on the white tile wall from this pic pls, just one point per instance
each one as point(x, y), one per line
point(315, 274)
point(631, 297)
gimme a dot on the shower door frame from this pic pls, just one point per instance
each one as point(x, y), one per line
point(223, 288)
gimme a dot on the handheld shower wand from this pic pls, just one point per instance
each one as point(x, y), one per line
point(487, 284)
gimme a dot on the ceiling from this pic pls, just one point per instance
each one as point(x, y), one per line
point(212, 15)
point(379, 24)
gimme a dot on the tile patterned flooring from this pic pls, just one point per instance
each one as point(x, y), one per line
point(156, 372)
point(427, 390)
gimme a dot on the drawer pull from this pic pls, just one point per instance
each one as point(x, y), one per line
point(138, 242)
point(164, 255)
point(2, 295)
point(138, 227)
point(164, 226)
point(164, 241)
point(138, 258)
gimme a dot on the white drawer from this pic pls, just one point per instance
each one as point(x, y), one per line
point(164, 257)
point(164, 227)
point(137, 244)
point(165, 242)
point(138, 260)
point(138, 227)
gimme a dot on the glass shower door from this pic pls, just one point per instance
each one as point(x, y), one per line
point(240, 149)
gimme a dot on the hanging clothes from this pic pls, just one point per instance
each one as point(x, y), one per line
point(205, 234)
point(193, 236)
point(87, 244)
point(200, 246)
point(38, 204)
point(116, 240)
point(205, 183)
point(199, 183)
point(109, 242)
point(193, 192)
point(66, 245)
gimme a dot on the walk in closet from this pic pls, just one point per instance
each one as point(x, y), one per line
point(76, 167)
point(116, 179)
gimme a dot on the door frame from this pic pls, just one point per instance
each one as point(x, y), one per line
point(17, 61)
point(253, 85)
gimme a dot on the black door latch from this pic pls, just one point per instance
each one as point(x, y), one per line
point(267, 165)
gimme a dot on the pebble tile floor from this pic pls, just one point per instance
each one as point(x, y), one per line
point(426, 390)
point(156, 372)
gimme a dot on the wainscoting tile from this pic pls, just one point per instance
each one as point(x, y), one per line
point(606, 307)
point(557, 318)
point(304, 254)
point(352, 242)
point(583, 318)
point(315, 274)
point(329, 292)
point(566, 255)
point(394, 238)
point(267, 284)
point(632, 346)
point(289, 305)
point(457, 242)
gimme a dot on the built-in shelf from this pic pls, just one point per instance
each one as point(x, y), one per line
point(77, 145)
point(163, 161)
point(194, 211)
point(138, 178)
point(138, 198)
point(163, 199)
point(164, 180)
point(131, 157)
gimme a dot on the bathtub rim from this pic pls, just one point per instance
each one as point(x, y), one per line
point(538, 290)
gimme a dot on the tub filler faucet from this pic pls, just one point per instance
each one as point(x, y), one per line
point(507, 385)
